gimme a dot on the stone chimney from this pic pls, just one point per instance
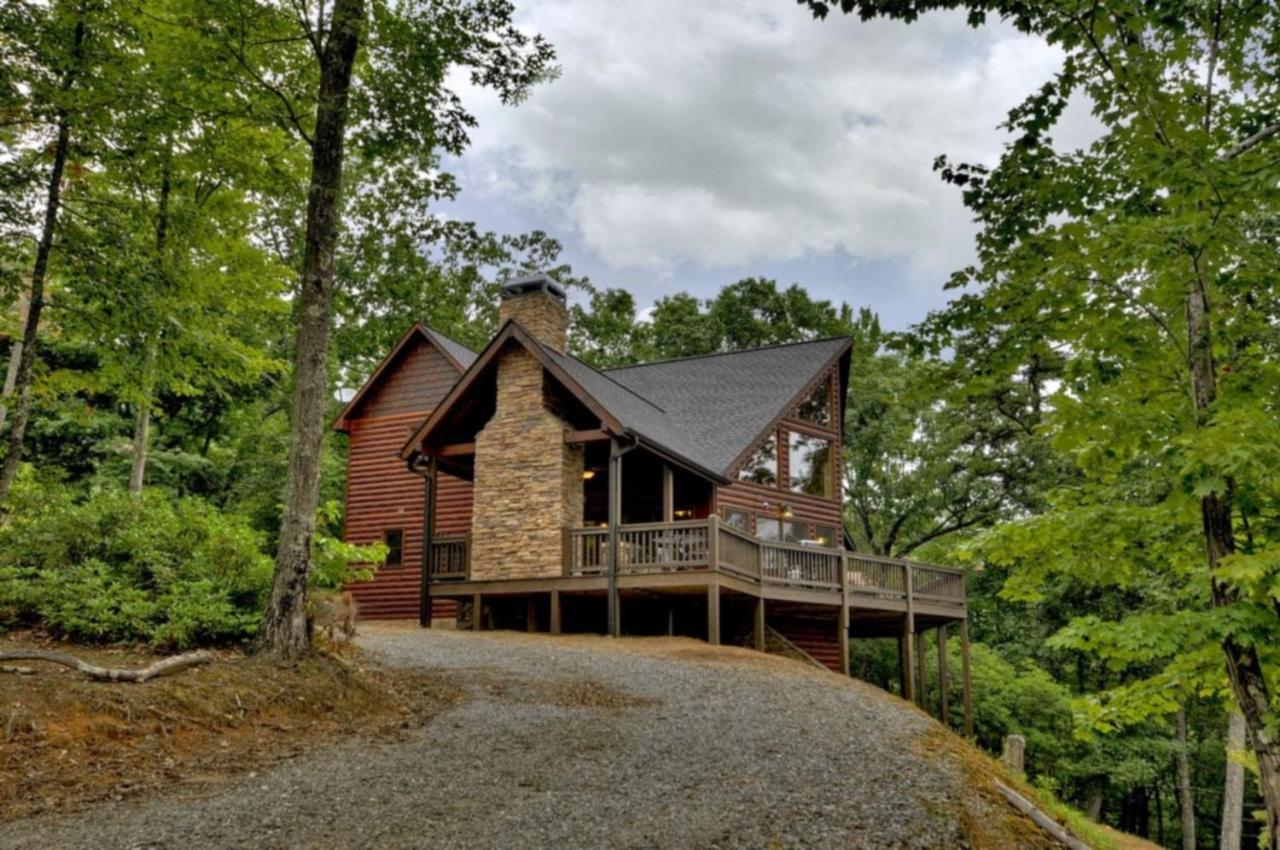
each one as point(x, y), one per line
point(528, 482)
point(537, 302)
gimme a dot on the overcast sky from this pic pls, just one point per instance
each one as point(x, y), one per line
point(689, 144)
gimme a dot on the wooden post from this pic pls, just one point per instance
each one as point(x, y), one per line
point(476, 621)
point(1014, 755)
point(713, 543)
point(713, 613)
point(668, 494)
point(908, 643)
point(844, 615)
point(759, 626)
point(904, 681)
point(843, 636)
point(922, 688)
point(944, 685)
point(555, 612)
point(428, 529)
point(965, 685)
point(530, 614)
point(613, 625)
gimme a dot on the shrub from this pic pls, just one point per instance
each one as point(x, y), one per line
point(172, 573)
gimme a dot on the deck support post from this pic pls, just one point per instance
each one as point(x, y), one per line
point(843, 636)
point(844, 614)
point(904, 682)
point(613, 625)
point(907, 641)
point(477, 620)
point(759, 624)
point(530, 614)
point(428, 532)
point(944, 685)
point(965, 684)
point(713, 613)
point(922, 689)
point(555, 612)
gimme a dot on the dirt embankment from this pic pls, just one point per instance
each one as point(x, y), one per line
point(66, 741)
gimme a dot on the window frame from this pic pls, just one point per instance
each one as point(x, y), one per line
point(398, 549)
point(832, 444)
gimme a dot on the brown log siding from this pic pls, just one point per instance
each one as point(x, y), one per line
point(382, 494)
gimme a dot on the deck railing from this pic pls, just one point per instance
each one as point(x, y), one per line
point(451, 557)
point(642, 548)
point(709, 544)
point(800, 566)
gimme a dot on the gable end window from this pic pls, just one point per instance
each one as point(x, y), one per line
point(816, 408)
point(809, 465)
point(394, 538)
point(762, 466)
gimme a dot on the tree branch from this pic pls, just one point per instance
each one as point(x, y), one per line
point(163, 667)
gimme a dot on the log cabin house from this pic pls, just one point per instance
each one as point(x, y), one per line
point(698, 496)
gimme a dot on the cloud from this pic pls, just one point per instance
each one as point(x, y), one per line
point(738, 132)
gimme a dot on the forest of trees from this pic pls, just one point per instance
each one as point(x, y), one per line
point(217, 215)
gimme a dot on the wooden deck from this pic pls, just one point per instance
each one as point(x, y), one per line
point(864, 595)
point(706, 552)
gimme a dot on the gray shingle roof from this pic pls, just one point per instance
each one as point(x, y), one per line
point(465, 356)
point(719, 404)
point(706, 410)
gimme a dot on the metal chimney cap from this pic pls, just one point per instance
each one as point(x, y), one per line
point(530, 283)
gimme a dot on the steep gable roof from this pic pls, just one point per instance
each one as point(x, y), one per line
point(722, 404)
point(701, 412)
point(455, 352)
point(461, 356)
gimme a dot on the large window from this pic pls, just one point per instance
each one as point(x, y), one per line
point(794, 532)
point(817, 407)
point(737, 519)
point(768, 528)
point(826, 536)
point(394, 538)
point(810, 465)
point(762, 466)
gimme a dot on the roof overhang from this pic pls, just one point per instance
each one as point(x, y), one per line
point(417, 329)
point(511, 331)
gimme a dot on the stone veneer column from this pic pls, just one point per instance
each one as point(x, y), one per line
point(528, 483)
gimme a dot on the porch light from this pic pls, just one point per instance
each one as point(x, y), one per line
point(588, 474)
point(786, 512)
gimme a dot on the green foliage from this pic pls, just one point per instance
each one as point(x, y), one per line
point(335, 562)
point(111, 568)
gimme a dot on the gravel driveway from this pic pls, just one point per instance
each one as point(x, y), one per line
point(582, 742)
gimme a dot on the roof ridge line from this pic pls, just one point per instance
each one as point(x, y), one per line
point(723, 353)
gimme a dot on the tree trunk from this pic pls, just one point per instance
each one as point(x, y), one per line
point(1186, 798)
point(1244, 669)
point(15, 355)
point(1233, 788)
point(142, 428)
point(283, 632)
point(27, 355)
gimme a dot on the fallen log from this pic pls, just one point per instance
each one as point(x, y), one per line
point(163, 667)
point(1048, 824)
